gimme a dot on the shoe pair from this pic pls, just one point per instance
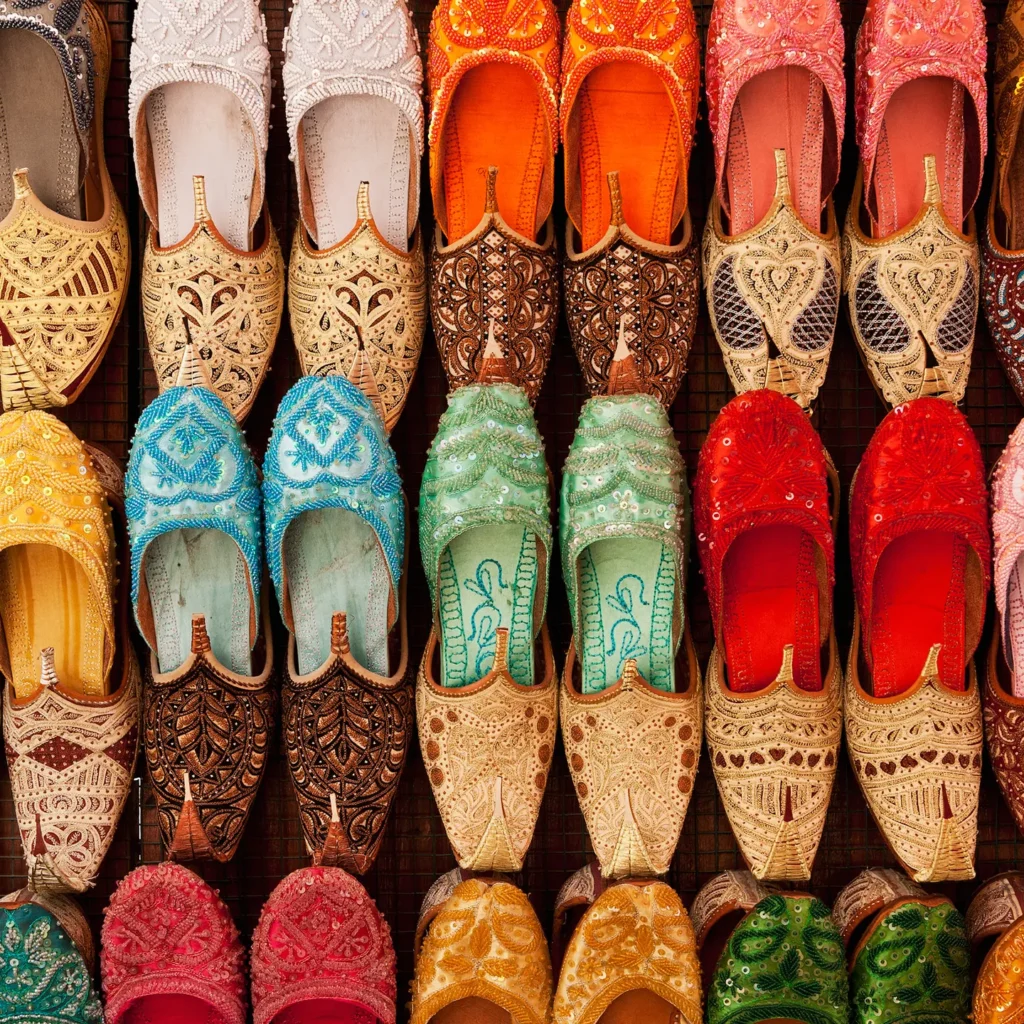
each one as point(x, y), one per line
point(481, 955)
point(775, 693)
point(72, 685)
point(486, 693)
point(626, 114)
point(909, 265)
point(333, 516)
point(213, 272)
point(171, 954)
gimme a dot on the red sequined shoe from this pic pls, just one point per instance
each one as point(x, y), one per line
point(322, 954)
point(773, 691)
point(920, 548)
point(170, 952)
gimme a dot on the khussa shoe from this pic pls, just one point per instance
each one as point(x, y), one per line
point(632, 955)
point(920, 548)
point(481, 956)
point(322, 952)
point(772, 266)
point(212, 271)
point(336, 546)
point(773, 693)
point(630, 85)
point(170, 953)
point(783, 961)
point(486, 698)
point(1004, 683)
point(48, 963)
point(492, 73)
point(64, 243)
point(911, 961)
point(71, 703)
point(356, 280)
point(871, 891)
point(910, 251)
point(630, 697)
point(995, 920)
point(1002, 295)
point(196, 558)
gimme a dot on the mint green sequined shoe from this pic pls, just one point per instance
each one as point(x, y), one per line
point(630, 697)
point(783, 962)
point(486, 701)
point(44, 976)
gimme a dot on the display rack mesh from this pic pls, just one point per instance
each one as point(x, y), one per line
point(415, 851)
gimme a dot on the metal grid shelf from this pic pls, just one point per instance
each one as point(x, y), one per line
point(415, 850)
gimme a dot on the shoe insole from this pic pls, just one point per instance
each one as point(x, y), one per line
point(627, 124)
point(924, 117)
point(627, 596)
point(1013, 625)
point(334, 563)
point(918, 601)
point(770, 588)
point(324, 1011)
point(778, 109)
point(199, 572)
point(640, 1007)
point(472, 1010)
point(488, 581)
point(37, 125)
point(348, 140)
point(172, 1009)
point(196, 128)
point(46, 601)
point(495, 120)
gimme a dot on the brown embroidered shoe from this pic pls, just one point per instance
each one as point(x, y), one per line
point(70, 746)
point(1003, 713)
point(995, 920)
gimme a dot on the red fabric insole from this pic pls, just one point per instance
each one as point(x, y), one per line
point(770, 592)
point(918, 601)
point(325, 1011)
point(171, 1009)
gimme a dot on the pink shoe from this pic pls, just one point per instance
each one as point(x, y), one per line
point(170, 952)
point(322, 954)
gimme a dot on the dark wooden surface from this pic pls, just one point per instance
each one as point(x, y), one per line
point(415, 850)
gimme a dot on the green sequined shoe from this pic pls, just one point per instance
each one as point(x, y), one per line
point(783, 962)
point(630, 698)
point(912, 963)
point(486, 701)
point(44, 976)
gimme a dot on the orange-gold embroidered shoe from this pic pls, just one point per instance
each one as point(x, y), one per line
point(481, 956)
point(632, 956)
point(630, 85)
point(64, 244)
point(492, 69)
point(71, 705)
point(995, 920)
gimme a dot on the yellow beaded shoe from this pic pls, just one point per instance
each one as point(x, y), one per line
point(64, 246)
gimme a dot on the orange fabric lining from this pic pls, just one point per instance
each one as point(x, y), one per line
point(770, 595)
point(628, 124)
point(919, 599)
point(495, 119)
point(924, 116)
point(46, 601)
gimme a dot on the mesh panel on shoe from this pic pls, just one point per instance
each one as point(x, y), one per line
point(738, 326)
point(957, 328)
point(814, 327)
point(881, 327)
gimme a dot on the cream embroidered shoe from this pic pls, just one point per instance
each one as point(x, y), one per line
point(357, 280)
point(212, 272)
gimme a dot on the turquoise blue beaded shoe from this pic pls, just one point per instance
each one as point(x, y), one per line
point(44, 978)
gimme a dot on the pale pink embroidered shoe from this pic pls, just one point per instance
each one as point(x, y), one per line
point(322, 952)
point(170, 953)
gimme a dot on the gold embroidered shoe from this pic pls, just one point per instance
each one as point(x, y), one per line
point(996, 916)
point(212, 271)
point(630, 696)
point(357, 288)
point(71, 706)
point(632, 957)
point(484, 957)
point(64, 244)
